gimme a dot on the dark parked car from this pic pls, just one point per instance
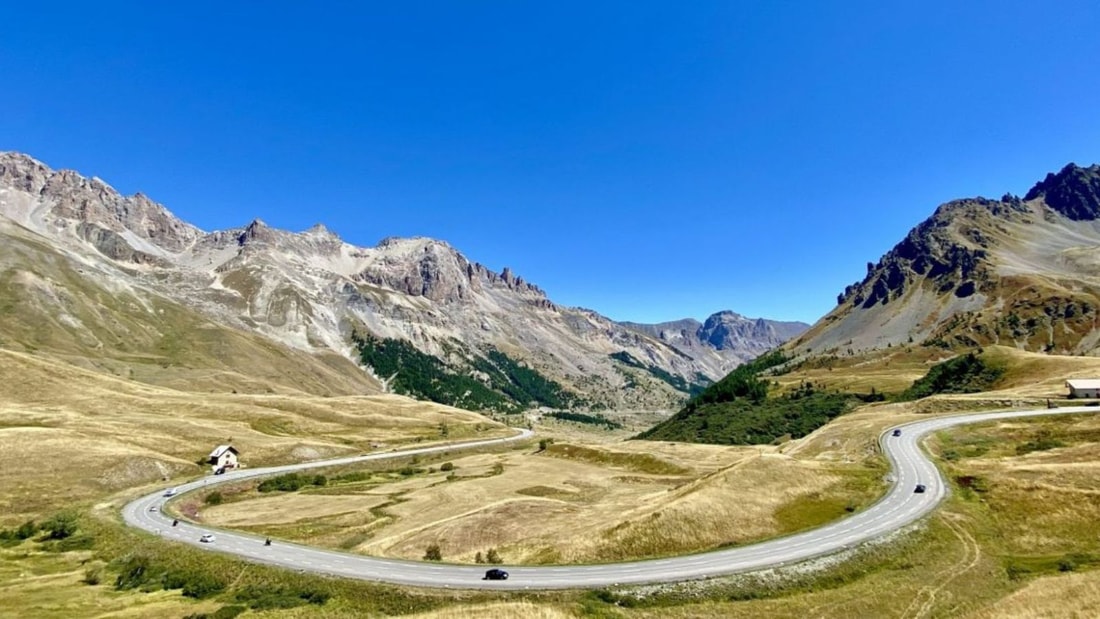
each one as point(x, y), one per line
point(897, 432)
point(919, 489)
point(496, 574)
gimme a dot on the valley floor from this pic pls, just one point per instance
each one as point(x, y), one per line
point(1017, 537)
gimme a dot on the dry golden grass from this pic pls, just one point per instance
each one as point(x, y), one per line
point(588, 509)
point(1028, 374)
point(500, 610)
point(593, 509)
point(73, 435)
point(1042, 503)
point(117, 433)
point(1072, 596)
point(45, 585)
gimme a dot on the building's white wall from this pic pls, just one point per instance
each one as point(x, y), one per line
point(227, 459)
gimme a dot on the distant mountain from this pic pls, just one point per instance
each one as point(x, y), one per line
point(120, 283)
point(728, 338)
point(1020, 272)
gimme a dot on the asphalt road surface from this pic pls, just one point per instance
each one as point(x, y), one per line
point(900, 507)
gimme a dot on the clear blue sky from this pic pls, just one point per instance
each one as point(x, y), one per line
point(650, 160)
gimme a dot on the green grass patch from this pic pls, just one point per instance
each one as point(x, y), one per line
point(640, 462)
point(857, 490)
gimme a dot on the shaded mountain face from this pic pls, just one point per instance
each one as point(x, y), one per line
point(305, 295)
point(1020, 272)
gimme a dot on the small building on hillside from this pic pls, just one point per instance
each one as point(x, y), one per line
point(1084, 387)
point(224, 457)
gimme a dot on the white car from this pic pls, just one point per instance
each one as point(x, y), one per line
point(153, 508)
point(170, 492)
point(207, 538)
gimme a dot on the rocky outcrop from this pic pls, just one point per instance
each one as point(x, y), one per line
point(1073, 192)
point(982, 271)
point(65, 196)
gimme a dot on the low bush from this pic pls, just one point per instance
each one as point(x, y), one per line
point(60, 526)
point(267, 598)
point(433, 553)
point(291, 482)
point(140, 571)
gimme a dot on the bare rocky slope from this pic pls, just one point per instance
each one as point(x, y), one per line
point(1018, 272)
point(120, 283)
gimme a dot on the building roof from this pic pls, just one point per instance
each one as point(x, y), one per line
point(221, 449)
point(1083, 383)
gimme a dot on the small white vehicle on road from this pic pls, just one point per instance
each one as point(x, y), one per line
point(207, 538)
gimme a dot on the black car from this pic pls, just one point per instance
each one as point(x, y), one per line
point(897, 432)
point(919, 489)
point(496, 574)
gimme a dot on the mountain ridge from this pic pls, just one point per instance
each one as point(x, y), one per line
point(1021, 272)
point(311, 290)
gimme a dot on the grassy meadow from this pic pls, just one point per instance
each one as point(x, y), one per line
point(1017, 537)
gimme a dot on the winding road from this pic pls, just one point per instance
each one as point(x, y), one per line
point(898, 508)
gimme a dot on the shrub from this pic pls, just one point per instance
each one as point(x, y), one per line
point(193, 583)
point(92, 576)
point(75, 542)
point(61, 526)
point(214, 498)
point(1042, 442)
point(26, 530)
point(134, 571)
point(266, 598)
point(447, 466)
point(286, 483)
point(433, 553)
point(493, 557)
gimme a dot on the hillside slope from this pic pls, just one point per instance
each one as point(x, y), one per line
point(1018, 272)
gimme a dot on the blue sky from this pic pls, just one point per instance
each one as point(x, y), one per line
point(650, 160)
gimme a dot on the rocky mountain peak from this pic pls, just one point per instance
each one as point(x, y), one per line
point(725, 329)
point(257, 231)
point(22, 171)
point(85, 204)
point(310, 290)
point(1073, 191)
point(731, 336)
point(320, 229)
point(981, 271)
